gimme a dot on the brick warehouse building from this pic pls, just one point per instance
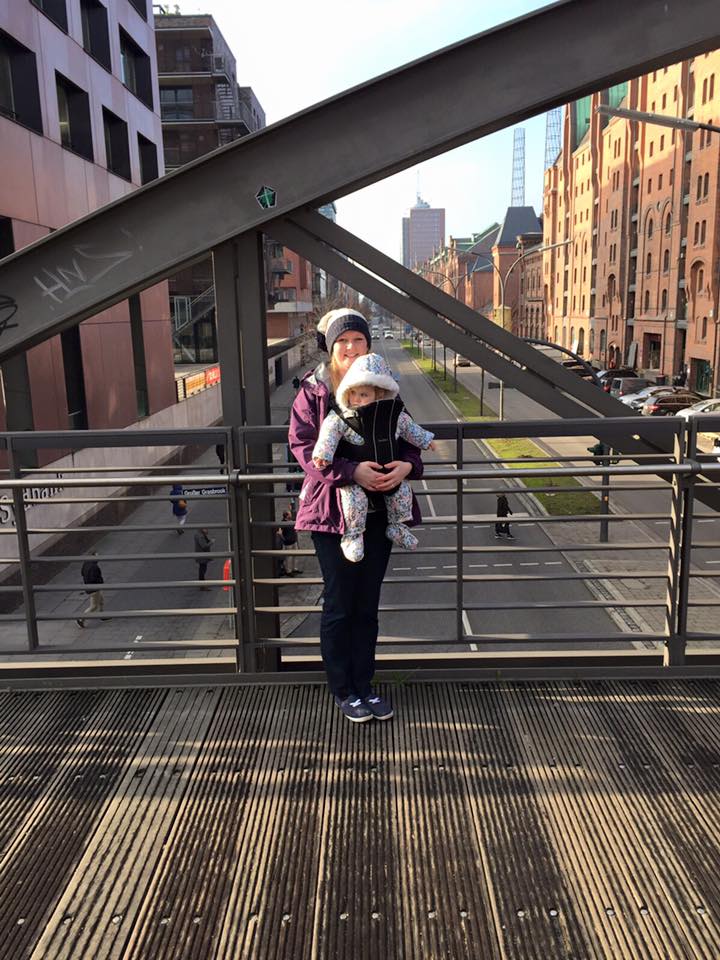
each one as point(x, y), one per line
point(80, 127)
point(638, 281)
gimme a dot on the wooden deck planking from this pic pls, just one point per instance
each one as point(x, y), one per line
point(487, 820)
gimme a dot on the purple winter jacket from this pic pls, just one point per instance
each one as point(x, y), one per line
point(319, 498)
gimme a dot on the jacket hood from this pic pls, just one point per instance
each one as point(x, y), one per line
point(368, 370)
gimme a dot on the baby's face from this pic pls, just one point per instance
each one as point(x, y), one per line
point(361, 396)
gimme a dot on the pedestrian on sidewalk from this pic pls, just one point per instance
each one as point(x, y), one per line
point(290, 545)
point(279, 544)
point(296, 383)
point(203, 544)
point(92, 578)
point(349, 620)
point(502, 527)
point(179, 506)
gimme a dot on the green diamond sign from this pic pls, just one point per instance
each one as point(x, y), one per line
point(266, 197)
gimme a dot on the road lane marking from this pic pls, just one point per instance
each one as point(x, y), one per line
point(468, 629)
point(712, 561)
point(449, 566)
point(396, 569)
point(433, 511)
point(553, 563)
point(502, 564)
point(472, 565)
point(532, 563)
point(426, 568)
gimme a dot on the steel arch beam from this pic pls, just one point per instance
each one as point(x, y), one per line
point(556, 54)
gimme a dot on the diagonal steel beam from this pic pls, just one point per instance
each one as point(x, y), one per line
point(556, 54)
point(421, 316)
point(553, 373)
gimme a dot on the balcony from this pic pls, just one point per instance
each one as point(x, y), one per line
point(208, 111)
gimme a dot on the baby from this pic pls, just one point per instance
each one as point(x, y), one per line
point(371, 416)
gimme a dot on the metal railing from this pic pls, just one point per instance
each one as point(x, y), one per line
point(653, 603)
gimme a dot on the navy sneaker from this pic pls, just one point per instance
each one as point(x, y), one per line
point(380, 708)
point(354, 709)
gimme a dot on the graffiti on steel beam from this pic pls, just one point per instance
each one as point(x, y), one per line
point(8, 309)
point(90, 263)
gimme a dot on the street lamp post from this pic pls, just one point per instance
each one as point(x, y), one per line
point(454, 281)
point(503, 281)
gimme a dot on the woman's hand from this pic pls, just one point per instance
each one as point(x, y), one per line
point(399, 469)
point(368, 475)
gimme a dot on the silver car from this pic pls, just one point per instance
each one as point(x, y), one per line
point(636, 400)
point(704, 407)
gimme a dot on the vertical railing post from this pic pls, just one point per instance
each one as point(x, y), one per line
point(678, 562)
point(240, 295)
point(688, 511)
point(604, 501)
point(459, 537)
point(23, 549)
point(238, 508)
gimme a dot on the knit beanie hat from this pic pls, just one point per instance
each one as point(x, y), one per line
point(368, 370)
point(336, 322)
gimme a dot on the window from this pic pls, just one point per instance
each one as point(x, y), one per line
point(96, 40)
point(699, 188)
point(700, 280)
point(668, 223)
point(141, 7)
point(705, 90)
point(706, 185)
point(648, 264)
point(176, 103)
point(663, 300)
point(671, 176)
point(117, 147)
point(666, 261)
point(138, 349)
point(54, 10)
point(74, 116)
point(74, 379)
point(649, 189)
point(711, 92)
point(148, 159)
point(7, 239)
point(660, 181)
point(650, 228)
point(703, 329)
point(664, 104)
point(652, 147)
point(696, 235)
point(647, 301)
point(135, 69)
point(19, 94)
point(703, 228)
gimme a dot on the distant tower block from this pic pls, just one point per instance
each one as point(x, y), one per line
point(553, 136)
point(518, 178)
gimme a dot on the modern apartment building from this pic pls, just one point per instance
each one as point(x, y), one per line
point(202, 108)
point(638, 281)
point(79, 127)
point(423, 233)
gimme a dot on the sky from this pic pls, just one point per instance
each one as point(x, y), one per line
point(295, 54)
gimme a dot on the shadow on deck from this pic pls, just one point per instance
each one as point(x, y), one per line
point(508, 820)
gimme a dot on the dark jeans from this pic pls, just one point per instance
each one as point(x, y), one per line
point(202, 568)
point(349, 621)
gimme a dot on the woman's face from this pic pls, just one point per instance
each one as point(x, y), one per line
point(347, 348)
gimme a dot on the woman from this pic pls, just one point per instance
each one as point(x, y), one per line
point(349, 621)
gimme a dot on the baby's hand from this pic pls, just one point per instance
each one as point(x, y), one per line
point(321, 464)
point(431, 445)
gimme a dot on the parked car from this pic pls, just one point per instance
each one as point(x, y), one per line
point(668, 404)
point(388, 335)
point(375, 331)
point(607, 376)
point(619, 386)
point(704, 407)
point(636, 400)
point(459, 361)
